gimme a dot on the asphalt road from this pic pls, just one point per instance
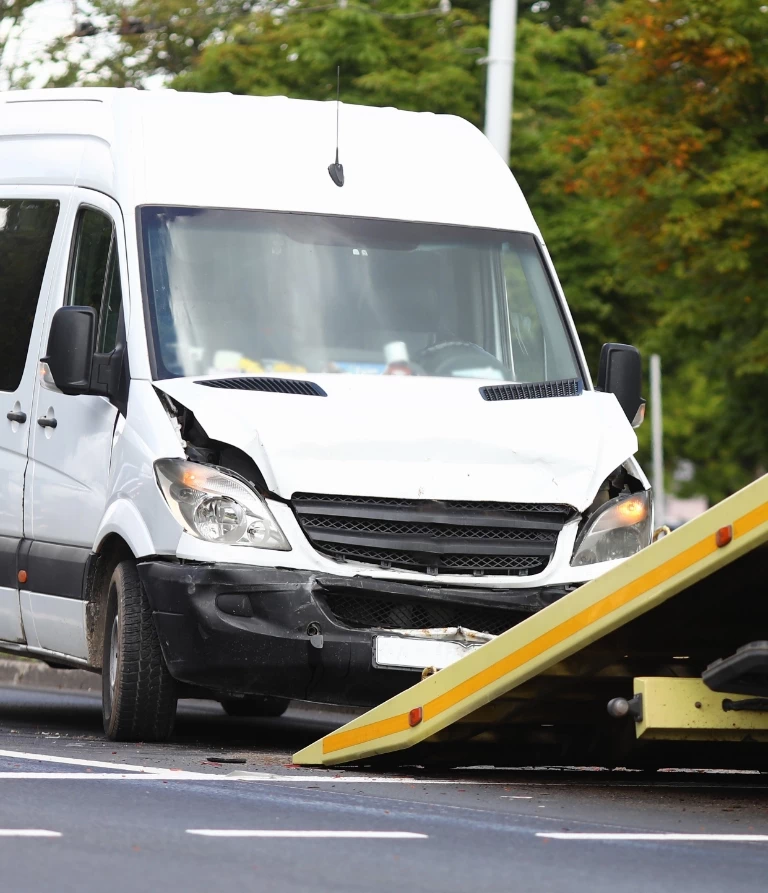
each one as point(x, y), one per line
point(153, 818)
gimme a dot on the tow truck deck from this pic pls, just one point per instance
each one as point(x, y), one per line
point(672, 642)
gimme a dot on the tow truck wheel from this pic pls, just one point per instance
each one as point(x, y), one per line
point(261, 706)
point(138, 693)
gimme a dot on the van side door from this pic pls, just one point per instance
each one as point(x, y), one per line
point(28, 245)
point(71, 440)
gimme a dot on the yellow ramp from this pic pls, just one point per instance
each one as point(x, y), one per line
point(636, 586)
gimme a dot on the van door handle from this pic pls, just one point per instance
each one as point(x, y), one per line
point(16, 416)
point(45, 422)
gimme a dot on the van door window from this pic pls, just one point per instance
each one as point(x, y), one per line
point(113, 298)
point(95, 275)
point(26, 233)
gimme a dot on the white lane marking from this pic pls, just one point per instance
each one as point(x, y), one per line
point(242, 775)
point(74, 761)
point(28, 832)
point(383, 835)
point(514, 797)
point(111, 776)
point(265, 778)
point(724, 838)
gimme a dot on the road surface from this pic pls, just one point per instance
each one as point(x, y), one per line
point(78, 813)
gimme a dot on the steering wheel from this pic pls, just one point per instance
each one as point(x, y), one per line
point(451, 357)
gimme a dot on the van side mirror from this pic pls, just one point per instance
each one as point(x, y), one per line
point(76, 368)
point(71, 345)
point(621, 374)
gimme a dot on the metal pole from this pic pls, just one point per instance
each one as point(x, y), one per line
point(501, 67)
point(657, 441)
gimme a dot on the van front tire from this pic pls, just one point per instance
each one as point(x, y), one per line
point(138, 693)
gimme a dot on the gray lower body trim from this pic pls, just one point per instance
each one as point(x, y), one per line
point(9, 546)
point(54, 569)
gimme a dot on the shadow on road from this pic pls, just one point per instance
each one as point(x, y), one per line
point(199, 723)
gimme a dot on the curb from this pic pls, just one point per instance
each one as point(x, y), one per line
point(35, 674)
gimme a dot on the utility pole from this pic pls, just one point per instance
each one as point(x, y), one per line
point(657, 441)
point(501, 68)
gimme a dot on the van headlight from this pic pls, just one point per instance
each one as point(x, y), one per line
point(618, 529)
point(216, 507)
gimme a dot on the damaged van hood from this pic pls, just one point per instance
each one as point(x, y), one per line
point(417, 438)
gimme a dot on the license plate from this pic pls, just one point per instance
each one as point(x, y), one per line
point(416, 654)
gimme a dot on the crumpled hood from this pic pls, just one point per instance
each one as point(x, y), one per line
point(418, 438)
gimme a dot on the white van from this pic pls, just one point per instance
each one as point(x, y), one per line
point(275, 429)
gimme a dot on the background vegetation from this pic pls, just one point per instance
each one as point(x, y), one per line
point(640, 130)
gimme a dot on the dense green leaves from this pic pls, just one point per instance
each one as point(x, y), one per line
point(674, 145)
point(13, 71)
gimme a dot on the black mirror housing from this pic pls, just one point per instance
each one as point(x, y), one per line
point(71, 345)
point(621, 374)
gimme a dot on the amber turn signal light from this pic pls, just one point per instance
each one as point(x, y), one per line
point(415, 716)
point(724, 536)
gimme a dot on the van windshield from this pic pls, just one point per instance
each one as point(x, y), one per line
point(265, 292)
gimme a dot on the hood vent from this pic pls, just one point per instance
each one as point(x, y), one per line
point(566, 387)
point(267, 385)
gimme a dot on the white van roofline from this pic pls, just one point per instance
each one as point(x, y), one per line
point(166, 147)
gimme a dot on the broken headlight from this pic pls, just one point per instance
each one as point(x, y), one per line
point(217, 507)
point(618, 529)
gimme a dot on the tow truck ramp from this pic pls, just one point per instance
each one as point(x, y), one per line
point(637, 640)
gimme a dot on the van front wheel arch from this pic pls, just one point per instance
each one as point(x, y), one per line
point(138, 693)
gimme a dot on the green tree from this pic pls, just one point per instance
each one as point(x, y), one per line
point(416, 61)
point(673, 146)
point(553, 74)
point(14, 73)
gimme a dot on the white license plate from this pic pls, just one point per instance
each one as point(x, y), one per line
point(416, 654)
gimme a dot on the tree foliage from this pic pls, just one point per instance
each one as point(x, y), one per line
point(674, 146)
point(13, 72)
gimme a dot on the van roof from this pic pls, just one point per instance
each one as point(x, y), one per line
point(272, 153)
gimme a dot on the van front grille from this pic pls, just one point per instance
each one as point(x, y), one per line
point(434, 537)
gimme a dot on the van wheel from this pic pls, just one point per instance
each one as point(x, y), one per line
point(138, 693)
point(260, 706)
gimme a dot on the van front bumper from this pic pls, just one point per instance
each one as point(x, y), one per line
point(236, 629)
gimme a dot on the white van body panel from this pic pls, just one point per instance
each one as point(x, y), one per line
point(10, 615)
point(124, 519)
point(69, 465)
point(427, 438)
point(180, 138)
point(54, 624)
point(287, 149)
point(14, 437)
point(135, 499)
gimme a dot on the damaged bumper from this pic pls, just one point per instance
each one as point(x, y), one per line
point(235, 629)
